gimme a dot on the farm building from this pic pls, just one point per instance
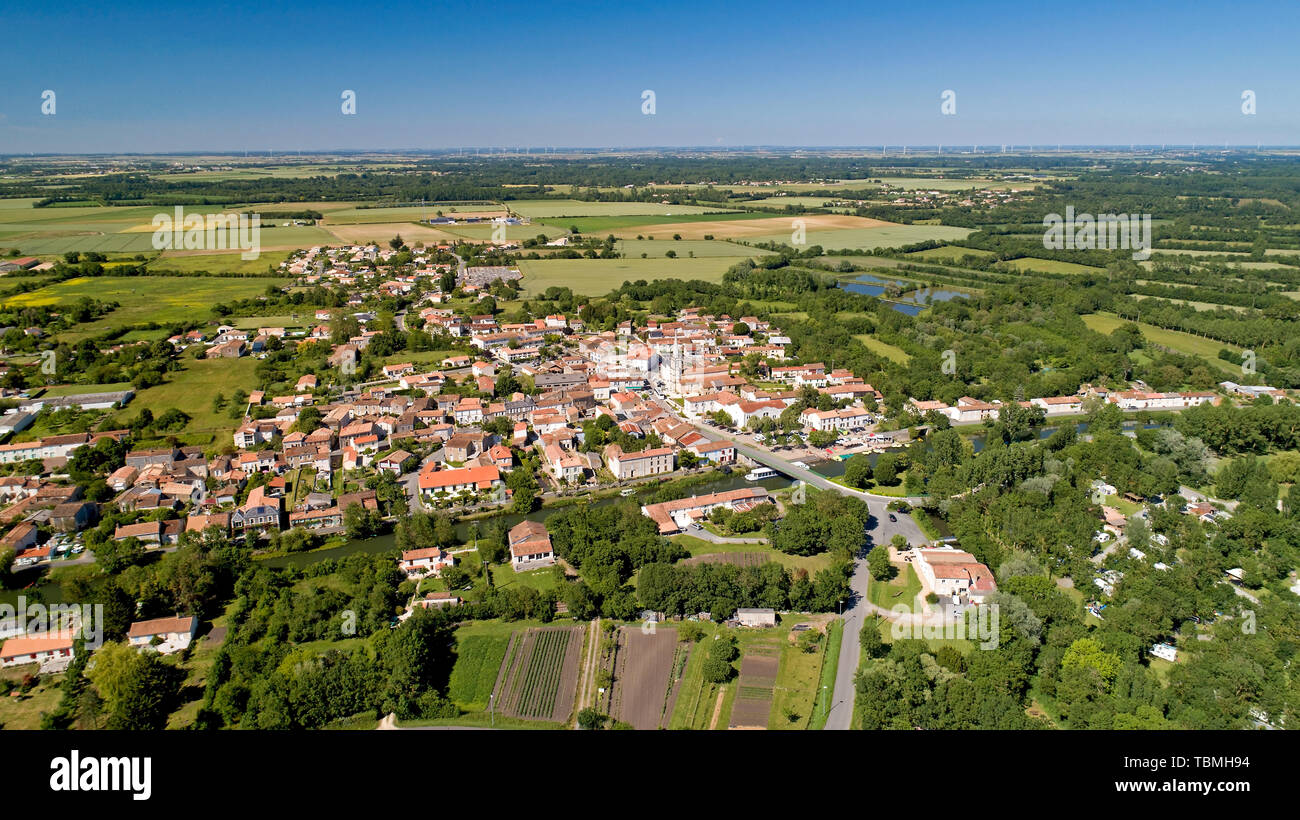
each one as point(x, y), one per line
point(759, 618)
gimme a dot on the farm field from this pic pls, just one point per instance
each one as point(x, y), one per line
point(950, 253)
point(195, 261)
point(795, 201)
point(867, 238)
point(796, 691)
point(484, 232)
point(1186, 343)
point(696, 697)
point(657, 248)
point(1049, 266)
point(643, 676)
point(755, 227)
point(378, 233)
point(478, 660)
point(539, 678)
point(552, 208)
point(144, 298)
point(646, 224)
point(408, 213)
point(1194, 304)
point(596, 277)
point(756, 686)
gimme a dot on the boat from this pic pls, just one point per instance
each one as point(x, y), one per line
point(761, 474)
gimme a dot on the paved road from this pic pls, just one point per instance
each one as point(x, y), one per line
point(879, 532)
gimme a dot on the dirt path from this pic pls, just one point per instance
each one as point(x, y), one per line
point(588, 670)
point(717, 707)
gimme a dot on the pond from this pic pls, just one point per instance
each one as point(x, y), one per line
point(911, 303)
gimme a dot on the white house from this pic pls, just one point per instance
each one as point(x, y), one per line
point(173, 634)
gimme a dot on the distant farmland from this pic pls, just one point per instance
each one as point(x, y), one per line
point(550, 208)
point(597, 277)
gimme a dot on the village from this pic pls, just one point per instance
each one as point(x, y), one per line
point(541, 409)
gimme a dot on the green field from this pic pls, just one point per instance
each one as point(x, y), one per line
point(478, 659)
point(161, 299)
point(948, 253)
point(551, 208)
point(812, 563)
point(1030, 263)
point(702, 248)
point(192, 390)
point(894, 354)
point(597, 277)
point(795, 696)
point(410, 213)
point(218, 262)
point(644, 225)
point(1185, 343)
point(121, 229)
point(890, 236)
point(901, 591)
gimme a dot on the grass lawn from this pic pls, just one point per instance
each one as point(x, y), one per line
point(696, 697)
point(1185, 343)
point(538, 579)
point(597, 277)
point(24, 711)
point(901, 591)
point(826, 681)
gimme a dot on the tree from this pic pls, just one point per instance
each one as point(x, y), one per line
point(857, 471)
point(873, 646)
point(717, 663)
point(590, 718)
point(887, 468)
point(878, 563)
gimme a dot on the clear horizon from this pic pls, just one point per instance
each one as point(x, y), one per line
point(135, 78)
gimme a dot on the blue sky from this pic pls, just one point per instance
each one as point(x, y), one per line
point(152, 77)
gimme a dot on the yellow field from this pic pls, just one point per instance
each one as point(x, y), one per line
point(751, 228)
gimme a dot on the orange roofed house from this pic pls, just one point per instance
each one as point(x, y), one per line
point(951, 572)
point(427, 561)
point(483, 480)
point(530, 546)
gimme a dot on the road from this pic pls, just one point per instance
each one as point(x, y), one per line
point(879, 532)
